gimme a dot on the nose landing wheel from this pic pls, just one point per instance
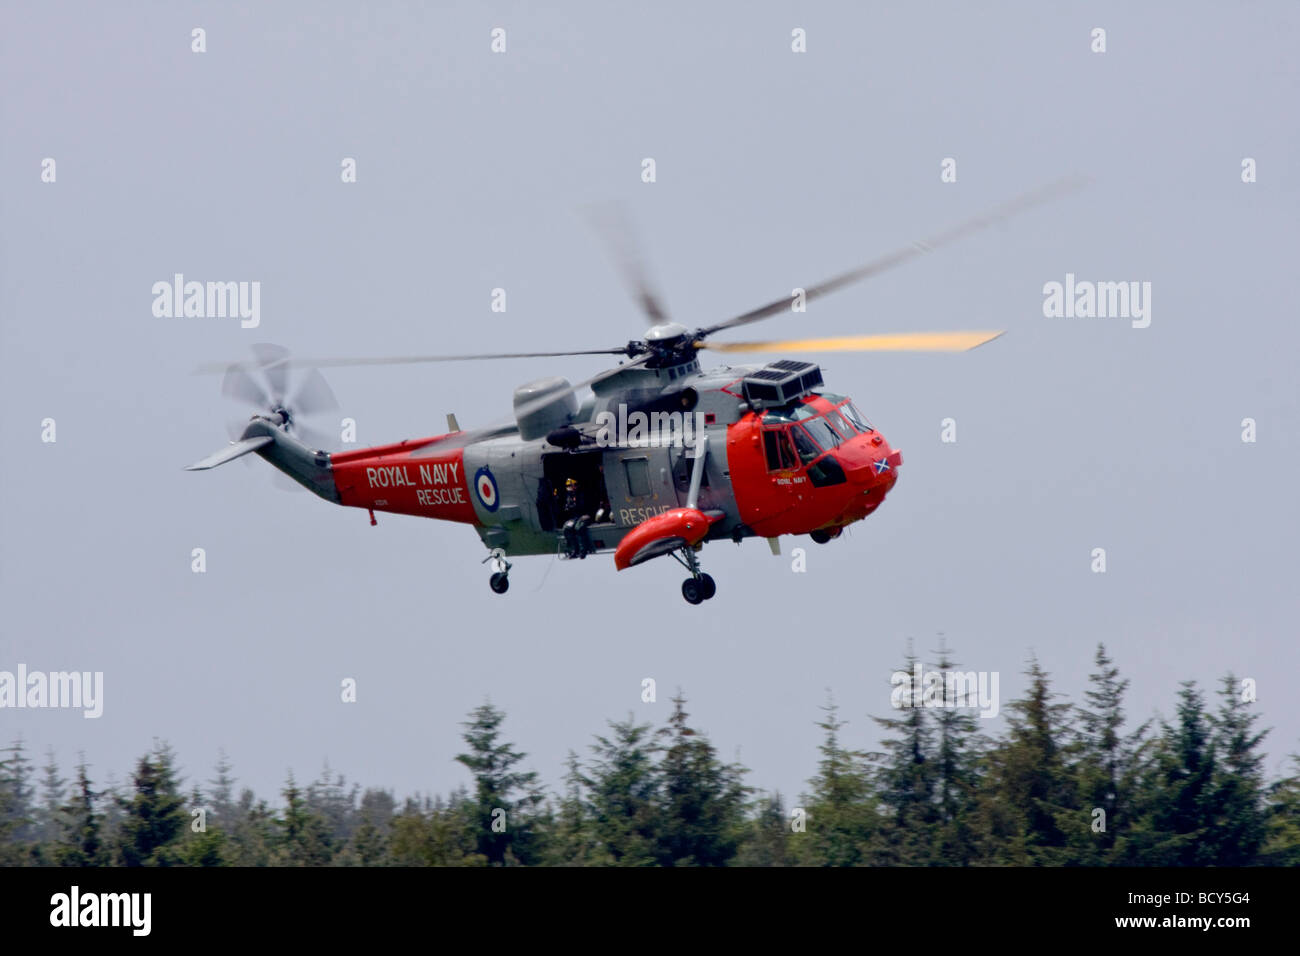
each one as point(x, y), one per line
point(499, 582)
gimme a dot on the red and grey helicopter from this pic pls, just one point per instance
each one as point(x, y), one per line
point(660, 458)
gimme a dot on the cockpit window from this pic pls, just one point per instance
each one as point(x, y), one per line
point(840, 425)
point(796, 412)
point(804, 445)
point(822, 433)
point(856, 417)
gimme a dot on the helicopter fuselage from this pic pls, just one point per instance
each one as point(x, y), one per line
point(794, 462)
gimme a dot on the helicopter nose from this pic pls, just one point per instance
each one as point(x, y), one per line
point(874, 463)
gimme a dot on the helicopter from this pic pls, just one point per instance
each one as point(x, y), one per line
point(662, 457)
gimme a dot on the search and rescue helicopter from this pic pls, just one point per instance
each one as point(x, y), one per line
point(662, 456)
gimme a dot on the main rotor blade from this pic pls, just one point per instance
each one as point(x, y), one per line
point(920, 247)
point(209, 367)
point(902, 342)
point(472, 436)
point(612, 223)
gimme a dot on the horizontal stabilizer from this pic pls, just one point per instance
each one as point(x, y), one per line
point(234, 450)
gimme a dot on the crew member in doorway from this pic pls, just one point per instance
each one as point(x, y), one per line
point(575, 524)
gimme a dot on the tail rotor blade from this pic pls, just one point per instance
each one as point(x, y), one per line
point(274, 362)
point(313, 396)
point(242, 387)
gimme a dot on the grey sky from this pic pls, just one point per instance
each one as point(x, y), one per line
point(774, 170)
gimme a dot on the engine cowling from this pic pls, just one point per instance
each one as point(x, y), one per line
point(550, 403)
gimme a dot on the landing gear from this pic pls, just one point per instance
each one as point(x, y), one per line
point(823, 535)
point(699, 587)
point(499, 582)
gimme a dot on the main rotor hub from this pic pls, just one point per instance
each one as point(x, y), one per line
point(666, 335)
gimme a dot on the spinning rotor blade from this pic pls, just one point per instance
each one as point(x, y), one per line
point(997, 214)
point(611, 221)
point(242, 387)
point(274, 362)
point(313, 396)
point(210, 367)
point(902, 342)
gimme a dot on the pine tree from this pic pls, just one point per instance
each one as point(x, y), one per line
point(1282, 835)
point(904, 776)
point(623, 787)
point(1173, 809)
point(330, 798)
point(221, 790)
point(1027, 794)
point(840, 820)
point(369, 845)
point(956, 777)
point(81, 843)
point(571, 840)
point(1238, 794)
point(17, 816)
point(1107, 762)
point(304, 838)
point(155, 817)
point(701, 800)
point(49, 816)
point(766, 838)
point(505, 799)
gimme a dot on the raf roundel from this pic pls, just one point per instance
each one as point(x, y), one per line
point(485, 486)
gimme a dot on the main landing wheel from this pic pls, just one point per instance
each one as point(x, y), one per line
point(692, 591)
point(499, 583)
point(698, 590)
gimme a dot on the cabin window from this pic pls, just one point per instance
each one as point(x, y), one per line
point(638, 476)
point(776, 445)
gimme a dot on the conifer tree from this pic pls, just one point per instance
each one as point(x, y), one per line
point(623, 787)
point(1173, 809)
point(154, 815)
point(1237, 801)
point(505, 798)
point(841, 821)
point(81, 843)
point(701, 799)
point(304, 835)
point(1027, 792)
point(1107, 762)
point(904, 776)
point(54, 794)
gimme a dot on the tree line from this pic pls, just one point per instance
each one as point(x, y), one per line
point(1065, 784)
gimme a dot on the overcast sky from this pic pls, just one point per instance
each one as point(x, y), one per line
point(774, 169)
